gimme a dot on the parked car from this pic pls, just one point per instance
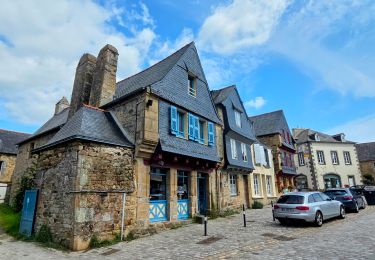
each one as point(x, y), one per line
point(311, 207)
point(351, 199)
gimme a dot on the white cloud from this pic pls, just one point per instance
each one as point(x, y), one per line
point(359, 130)
point(256, 103)
point(42, 41)
point(240, 24)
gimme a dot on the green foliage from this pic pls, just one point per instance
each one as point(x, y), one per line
point(222, 214)
point(44, 235)
point(10, 220)
point(368, 179)
point(95, 242)
point(257, 205)
point(130, 236)
point(26, 183)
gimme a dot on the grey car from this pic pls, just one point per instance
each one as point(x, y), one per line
point(311, 207)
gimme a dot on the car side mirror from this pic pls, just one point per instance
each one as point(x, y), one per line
point(328, 199)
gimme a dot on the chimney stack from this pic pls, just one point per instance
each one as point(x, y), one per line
point(104, 81)
point(82, 82)
point(61, 105)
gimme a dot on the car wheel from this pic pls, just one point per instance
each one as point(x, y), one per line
point(356, 209)
point(342, 212)
point(318, 219)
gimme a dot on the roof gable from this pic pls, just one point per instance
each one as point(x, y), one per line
point(308, 135)
point(9, 141)
point(268, 123)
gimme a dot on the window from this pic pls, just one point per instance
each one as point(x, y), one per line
point(289, 141)
point(177, 122)
point(266, 156)
point(311, 199)
point(158, 184)
point(321, 157)
point(351, 181)
point(233, 184)
point(201, 131)
point(1, 166)
point(182, 185)
point(211, 133)
point(291, 199)
point(192, 86)
point(237, 116)
point(317, 197)
point(347, 158)
point(244, 152)
point(180, 124)
point(256, 184)
point(268, 185)
point(301, 159)
point(32, 146)
point(233, 148)
point(335, 158)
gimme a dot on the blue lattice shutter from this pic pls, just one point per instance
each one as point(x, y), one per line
point(196, 128)
point(173, 120)
point(211, 133)
point(191, 126)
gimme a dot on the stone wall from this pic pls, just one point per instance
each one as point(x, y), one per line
point(6, 171)
point(367, 167)
point(81, 188)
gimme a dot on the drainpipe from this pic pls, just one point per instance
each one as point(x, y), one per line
point(123, 215)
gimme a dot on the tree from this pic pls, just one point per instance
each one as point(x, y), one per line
point(368, 179)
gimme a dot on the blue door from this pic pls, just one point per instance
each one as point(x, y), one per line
point(28, 212)
point(202, 193)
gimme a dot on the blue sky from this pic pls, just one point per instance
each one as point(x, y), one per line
point(313, 59)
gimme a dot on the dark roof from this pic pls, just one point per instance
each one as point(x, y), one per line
point(220, 95)
point(9, 141)
point(91, 124)
point(268, 123)
point(366, 151)
point(150, 75)
point(307, 135)
point(53, 123)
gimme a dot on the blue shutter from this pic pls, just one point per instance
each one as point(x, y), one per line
point(211, 133)
point(174, 120)
point(191, 126)
point(196, 128)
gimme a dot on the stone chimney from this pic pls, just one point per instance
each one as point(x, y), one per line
point(61, 105)
point(104, 84)
point(82, 83)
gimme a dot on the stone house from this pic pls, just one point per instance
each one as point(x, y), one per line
point(325, 161)
point(238, 136)
point(8, 155)
point(366, 157)
point(272, 129)
point(150, 142)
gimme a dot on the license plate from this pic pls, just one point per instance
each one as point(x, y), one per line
point(286, 210)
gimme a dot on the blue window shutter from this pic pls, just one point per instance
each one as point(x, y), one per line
point(191, 126)
point(196, 128)
point(173, 120)
point(211, 133)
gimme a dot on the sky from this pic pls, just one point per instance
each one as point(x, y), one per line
point(313, 59)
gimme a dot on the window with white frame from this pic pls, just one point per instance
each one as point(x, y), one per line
point(233, 148)
point(347, 159)
point(301, 159)
point(237, 116)
point(335, 158)
point(244, 152)
point(192, 86)
point(256, 184)
point(233, 184)
point(320, 157)
point(268, 185)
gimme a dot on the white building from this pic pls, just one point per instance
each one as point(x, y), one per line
point(324, 161)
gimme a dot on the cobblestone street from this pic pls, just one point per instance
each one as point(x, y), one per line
point(228, 239)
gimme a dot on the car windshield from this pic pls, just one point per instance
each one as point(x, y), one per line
point(336, 192)
point(291, 199)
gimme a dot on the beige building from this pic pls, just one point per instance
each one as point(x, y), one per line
point(324, 161)
point(262, 179)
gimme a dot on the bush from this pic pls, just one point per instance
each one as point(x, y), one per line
point(257, 205)
point(95, 242)
point(44, 235)
point(10, 220)
point(368, 179)
point(26, 183)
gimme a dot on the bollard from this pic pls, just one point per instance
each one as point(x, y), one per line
point(273, 213)
point(244, 215)
point(205, 224)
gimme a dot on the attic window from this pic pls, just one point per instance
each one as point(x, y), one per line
point(317, 138)
point(237, 116)
point(192, 86)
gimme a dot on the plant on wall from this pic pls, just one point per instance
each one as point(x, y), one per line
point(25, 183)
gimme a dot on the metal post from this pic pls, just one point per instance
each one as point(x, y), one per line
point(205, 224)
point(244, 215)
point(273, 212)
point(123, 215)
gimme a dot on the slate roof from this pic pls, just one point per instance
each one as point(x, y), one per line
point(220, 95)
point(366, 151)
point(268, 123)
point(9, 141)
point(307, 135)
point(53, 123)
point(91, 124)
point(150, 75)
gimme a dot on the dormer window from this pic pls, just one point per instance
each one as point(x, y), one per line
point(192, 86)
point(317, 138)
point(237, 116)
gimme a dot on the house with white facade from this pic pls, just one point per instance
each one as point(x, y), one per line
point(325, 161)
